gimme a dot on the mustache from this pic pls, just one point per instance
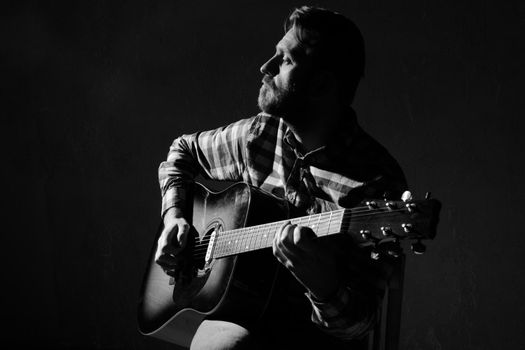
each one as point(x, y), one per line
point(268, 81)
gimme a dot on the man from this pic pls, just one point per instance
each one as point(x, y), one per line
point(307, 147)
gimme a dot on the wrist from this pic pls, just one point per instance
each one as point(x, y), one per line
point(326, 295)
point(172, 213)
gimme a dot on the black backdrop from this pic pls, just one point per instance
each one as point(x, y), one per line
point(94, 92)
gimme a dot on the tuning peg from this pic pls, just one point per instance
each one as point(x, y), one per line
point(411, 207)
point(407, 228)
point(427, 195)
point(406, 196)
point(392, 248)
point(390, 205)
point(366, 235)
point(371, 204)
point(395, 251)
point(418, 247)
point(387, 231)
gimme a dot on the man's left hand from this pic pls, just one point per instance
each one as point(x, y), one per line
point(310, 262)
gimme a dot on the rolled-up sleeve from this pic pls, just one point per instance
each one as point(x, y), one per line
point(217, 154)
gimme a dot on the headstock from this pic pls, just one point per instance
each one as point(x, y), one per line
point(382, 224)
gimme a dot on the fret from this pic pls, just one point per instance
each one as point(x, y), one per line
point(317, 227)
point(242, 241)
point(257, 237)
point(246, 244)
point(268, 236)
point(330, 221)
point(232, 242)
point(250, 236)
point(223, 244)
point(339, 221)
point(235, 242)
point(308, 221)
point(254, 237)
point(262, 237)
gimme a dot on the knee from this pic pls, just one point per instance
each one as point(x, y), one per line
point(220, 335)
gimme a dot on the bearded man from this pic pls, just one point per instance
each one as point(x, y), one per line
point(304, 146)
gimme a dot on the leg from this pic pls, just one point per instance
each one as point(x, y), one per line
point(220, 335)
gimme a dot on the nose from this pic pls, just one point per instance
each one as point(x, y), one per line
point(269, 67)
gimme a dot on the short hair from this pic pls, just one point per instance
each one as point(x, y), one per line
point(338, 45)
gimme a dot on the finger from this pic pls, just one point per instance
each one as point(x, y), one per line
point(165, 240)
point(276, 243)
point(281, 229)
point(284, 247)
point(168, 255)
point(277, 238)
point(282, 257)
point(171, 272)
point(286, 239)
point(167, 252)
point(182, 235)
point(167, 261)
point(171, 250)
point(303, 238)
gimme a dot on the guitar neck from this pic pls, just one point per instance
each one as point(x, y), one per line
point(252, 238)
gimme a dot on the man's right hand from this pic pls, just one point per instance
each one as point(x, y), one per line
point(171, 243)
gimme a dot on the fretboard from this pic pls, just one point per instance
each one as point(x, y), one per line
point(252, 238)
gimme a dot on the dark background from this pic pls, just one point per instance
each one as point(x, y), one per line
point(94, 92)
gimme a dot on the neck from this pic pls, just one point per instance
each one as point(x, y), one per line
point(315, 126)
point(247, 239)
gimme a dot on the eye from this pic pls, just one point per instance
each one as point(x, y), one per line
point(286, 60)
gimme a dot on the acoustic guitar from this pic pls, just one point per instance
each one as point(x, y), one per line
point(231, 233)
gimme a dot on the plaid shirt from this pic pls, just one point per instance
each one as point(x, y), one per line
point(263, 152)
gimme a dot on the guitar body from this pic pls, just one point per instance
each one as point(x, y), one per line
point(224, 282)
point(236, 288)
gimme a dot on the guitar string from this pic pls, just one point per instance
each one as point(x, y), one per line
point(242, 230)
point(347, 213)
point(235, 234)
point(322, 224)
point(248, 237)
point(202, 254)
point(260, 245)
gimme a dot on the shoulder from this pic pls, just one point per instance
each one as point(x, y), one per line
point(256, 124)
point(379, 159)
point(265, 124)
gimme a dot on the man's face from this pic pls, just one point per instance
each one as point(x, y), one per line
point(286, 78)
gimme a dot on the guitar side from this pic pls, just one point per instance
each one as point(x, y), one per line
point(228, 289)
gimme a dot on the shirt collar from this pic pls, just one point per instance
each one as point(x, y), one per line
point(340, 142)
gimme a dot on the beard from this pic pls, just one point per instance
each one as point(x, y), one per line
point(288, 102)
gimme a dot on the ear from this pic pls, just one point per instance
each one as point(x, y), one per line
point(323, 83)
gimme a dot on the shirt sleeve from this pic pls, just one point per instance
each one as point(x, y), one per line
point(354, 310)
point(347, 315)
point(218, 154)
